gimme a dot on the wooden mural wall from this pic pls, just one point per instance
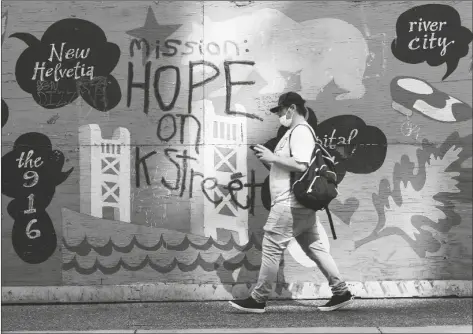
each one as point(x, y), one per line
point(126, 128)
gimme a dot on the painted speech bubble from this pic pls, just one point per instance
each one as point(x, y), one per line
point(431, 33)
point(5, 113)
point(30, 174)
point(72, 59)
point(357, 147)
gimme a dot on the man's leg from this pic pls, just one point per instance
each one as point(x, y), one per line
point(278, 233)
point(272, 248)
point(311, 243)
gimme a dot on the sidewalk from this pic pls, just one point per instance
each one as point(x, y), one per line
point(449, 315)
point(430, 329)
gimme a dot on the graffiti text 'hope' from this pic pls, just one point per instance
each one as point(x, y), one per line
point(191, 84)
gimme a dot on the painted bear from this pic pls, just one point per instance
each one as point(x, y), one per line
point(319, 50)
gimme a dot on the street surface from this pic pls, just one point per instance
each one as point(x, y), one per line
point(373, 315)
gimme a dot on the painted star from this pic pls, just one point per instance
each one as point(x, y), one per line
point(152, 31)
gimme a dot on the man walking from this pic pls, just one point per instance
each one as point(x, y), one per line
point(288, 218)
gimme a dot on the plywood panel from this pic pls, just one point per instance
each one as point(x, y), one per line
point(402, 213)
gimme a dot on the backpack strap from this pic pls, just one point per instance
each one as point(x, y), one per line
point(329, 215)
point(293, 174)
point(328, 155)
point(311, 131)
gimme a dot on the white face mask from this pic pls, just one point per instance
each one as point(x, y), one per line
point(285, 121)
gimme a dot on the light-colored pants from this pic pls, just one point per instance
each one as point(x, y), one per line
point(284, 223)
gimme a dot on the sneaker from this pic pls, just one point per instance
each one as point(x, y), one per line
point(337, 302)
point(248, 305)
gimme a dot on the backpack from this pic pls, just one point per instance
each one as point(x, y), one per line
point(317, 187)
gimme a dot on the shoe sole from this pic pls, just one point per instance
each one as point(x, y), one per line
point(336, 307)
point(251, 310)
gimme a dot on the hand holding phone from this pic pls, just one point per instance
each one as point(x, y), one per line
point(257, 148)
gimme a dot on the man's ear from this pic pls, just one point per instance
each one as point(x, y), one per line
point(293, 109)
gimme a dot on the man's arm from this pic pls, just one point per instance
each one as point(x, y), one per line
point(291, 164)
point(302, 144)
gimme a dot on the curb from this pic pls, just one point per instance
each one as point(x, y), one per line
point(199, 292)
point(429, 329)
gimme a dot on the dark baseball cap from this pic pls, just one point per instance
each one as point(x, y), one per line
point(287, 99)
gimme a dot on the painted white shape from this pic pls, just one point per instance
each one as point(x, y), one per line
point(299, 255)
point(324, 50)
point(104, 172)
point(407, 289)
point(235, 274)
point(422, 202)
point(4, 24)
point(197, 201)
point(468, 163)
point(224, 154)
point(374, 289)
point(403, 110)
point(390, 288)
point(440, 114)
point(415, 86)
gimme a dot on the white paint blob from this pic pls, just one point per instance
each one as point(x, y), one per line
point(415, 86)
